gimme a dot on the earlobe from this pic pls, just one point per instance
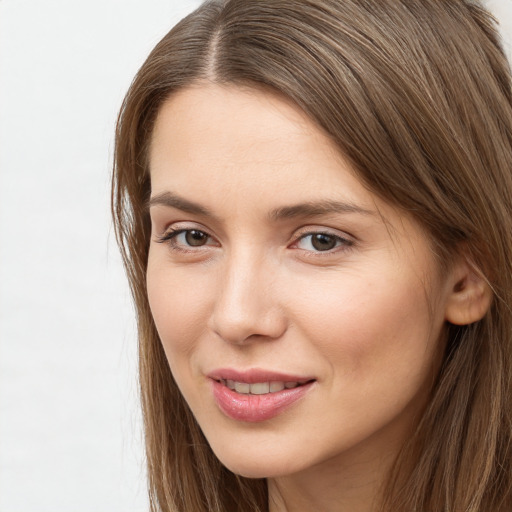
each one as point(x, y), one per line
point(470, 297)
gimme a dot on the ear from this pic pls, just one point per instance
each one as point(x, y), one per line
point(470, 297)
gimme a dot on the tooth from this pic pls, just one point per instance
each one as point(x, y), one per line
point(290, 385)
point(260, 388)
point(276, 386)
point(230, 384)
point(242, 387)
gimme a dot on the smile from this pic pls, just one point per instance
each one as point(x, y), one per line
point(256, 395)
point(258, 388)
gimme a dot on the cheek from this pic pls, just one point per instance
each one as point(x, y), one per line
point(180, 304)
point(369, 327)
point(378, 345)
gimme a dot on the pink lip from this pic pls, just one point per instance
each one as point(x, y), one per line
point(254, 375)
point(256, 408)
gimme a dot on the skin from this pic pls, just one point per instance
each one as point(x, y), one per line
point(363, 318)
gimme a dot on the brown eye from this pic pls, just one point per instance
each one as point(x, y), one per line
point(323, 242)
point(186, 239)
point(195, 238)
point(317, 242)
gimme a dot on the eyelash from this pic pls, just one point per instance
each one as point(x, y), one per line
point(169, 237)
point(343, 244)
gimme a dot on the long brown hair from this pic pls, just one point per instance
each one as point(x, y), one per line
point(417, 95)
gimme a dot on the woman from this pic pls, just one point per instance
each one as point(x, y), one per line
point(313, 200)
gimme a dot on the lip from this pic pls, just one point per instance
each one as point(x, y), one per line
point(254, 375)
point(256, 408)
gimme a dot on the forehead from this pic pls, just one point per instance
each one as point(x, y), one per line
point(247, 141)
point(246, 113)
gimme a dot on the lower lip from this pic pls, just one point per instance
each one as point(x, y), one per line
point(255, 408)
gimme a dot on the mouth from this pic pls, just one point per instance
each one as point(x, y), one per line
point(260, 388)
point(257, 395)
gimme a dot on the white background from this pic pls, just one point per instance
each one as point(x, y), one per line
point(70, 436)
point(70, 432)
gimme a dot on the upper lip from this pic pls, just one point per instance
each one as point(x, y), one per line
point(254, 375)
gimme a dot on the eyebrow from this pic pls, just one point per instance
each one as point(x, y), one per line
point(307, 209)
point(317, 208)
point(172, 200)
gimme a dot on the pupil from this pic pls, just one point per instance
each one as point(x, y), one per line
point(195, 238)
point(323, 242)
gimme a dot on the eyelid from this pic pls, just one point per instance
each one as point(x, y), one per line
point(183, 226)
point(314, 229)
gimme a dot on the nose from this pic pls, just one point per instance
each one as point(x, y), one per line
point(247, 307)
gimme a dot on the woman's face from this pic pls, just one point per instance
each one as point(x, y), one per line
point(272, 270)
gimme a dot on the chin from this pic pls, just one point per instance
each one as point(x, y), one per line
point(250, 469)
point(248, 464)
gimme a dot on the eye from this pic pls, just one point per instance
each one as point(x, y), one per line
point(192, 237)
point(322, 242)
point(186, 239)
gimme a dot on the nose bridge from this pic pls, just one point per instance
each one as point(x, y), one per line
point(246, 304)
